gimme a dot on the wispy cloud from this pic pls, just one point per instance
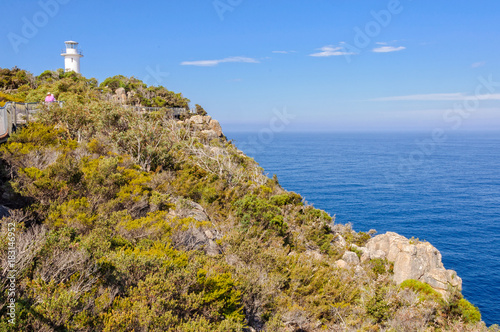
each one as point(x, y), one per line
point(440, 97)
point(284, 52)
point(331, 50)
point(387, 49)
point(478, 64)
point(212, 63)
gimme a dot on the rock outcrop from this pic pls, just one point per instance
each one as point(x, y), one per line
point(215, 126)
point(206, 125)
point(412, 260)
point(350, 258)
point(194, 238)
point(120, 96)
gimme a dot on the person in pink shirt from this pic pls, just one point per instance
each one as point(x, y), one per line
point(50, 98)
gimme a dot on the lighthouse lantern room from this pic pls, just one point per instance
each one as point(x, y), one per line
point(72, 57)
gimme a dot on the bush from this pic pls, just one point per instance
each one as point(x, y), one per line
point(470, 312)
point(425, 290)
point(253, 209)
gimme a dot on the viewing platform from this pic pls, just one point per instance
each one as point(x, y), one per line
point(14, 114)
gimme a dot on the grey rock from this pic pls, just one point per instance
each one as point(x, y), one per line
point(209, 134)
point(185, 208)
point(215, 126)
point(339, 241)
point(209, 234)
point(314, 254)
point(197, 126)
point(351, 258)
point(195, 238)
point(341, 264)
point(212, 249)
point(416, 260)
point(359, 270)
point(197, 119)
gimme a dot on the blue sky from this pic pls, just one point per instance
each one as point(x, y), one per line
point(335, 65)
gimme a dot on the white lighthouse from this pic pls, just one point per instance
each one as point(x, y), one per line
point(72, 57)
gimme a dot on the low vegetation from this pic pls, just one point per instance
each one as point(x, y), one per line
point(136, 222)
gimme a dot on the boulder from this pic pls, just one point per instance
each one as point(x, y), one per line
point(120, 96)
point(185, 208)
point(210, 134)
point(212, 249)
point(215, 126)
point(341, 264)
point(351, 258)
point(195, 238)
point(339, 240)
point(367, 254)
point(413, 260)
point(197, 119)
point(314, 254)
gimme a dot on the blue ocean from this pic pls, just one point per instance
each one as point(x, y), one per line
point(444, 189)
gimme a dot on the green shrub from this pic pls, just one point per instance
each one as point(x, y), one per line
point(425, 290)
point(381, 266)
point(470, 312)
point(377, 307)
point(285, 199)
point(254, 209)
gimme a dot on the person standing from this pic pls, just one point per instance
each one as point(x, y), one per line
point(50, 98)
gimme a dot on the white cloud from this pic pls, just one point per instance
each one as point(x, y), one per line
point(387, 49)
point(478, 64)
point(441, 97)
point(284, 52)
point(212, 63)
point(331, 50)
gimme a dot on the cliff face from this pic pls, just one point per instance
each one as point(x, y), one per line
point(137, 222)
point(413, 260)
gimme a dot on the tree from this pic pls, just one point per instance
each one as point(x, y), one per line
point(200, 110)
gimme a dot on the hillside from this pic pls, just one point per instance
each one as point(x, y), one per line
point(135, 221)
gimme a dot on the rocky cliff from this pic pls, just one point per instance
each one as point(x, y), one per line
point(134, 221)
point(412, 259)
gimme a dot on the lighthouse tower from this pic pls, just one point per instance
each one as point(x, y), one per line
point(72, 57)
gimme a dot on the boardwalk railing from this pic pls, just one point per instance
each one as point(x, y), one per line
point(174, 112)
point(14, 114)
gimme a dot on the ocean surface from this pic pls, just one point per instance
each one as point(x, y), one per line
point(445, 190)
